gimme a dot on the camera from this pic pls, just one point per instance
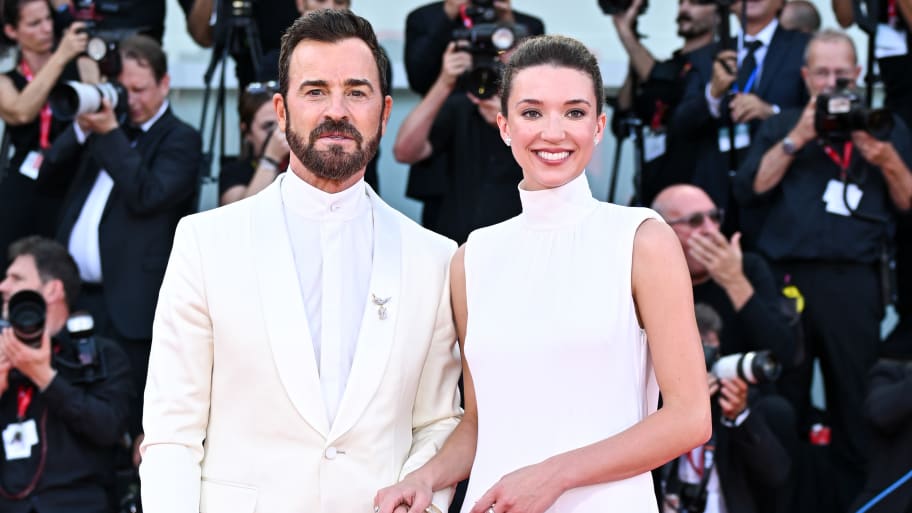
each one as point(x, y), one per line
point(71, 99)
point(612, 7)
point(840, 112)
point(486, 42)
point(754, 367)
point(27, 311)
point(692, 498)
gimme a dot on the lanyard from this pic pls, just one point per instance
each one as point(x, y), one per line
point(750, 82)
point(660, 109)
point(23, 400)
point(892, 15)
point(466, 19)
point(45, 131)
point(842, 162)
point(698, 468)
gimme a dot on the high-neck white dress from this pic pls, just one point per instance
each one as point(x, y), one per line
point(553, 343)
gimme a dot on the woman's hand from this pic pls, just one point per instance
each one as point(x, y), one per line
point(277, 147)
point(531, 489)
point(74, 41)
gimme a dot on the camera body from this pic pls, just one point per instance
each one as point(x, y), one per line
point(692, 498)
point(612, 7)
point(841, 111)
point(486, 41)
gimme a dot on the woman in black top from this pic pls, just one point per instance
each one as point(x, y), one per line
point(28, 27)
point(264, 153)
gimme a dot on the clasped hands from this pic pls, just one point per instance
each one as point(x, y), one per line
point(531, 489)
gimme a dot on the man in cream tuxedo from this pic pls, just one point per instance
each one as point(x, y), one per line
point(303, 353)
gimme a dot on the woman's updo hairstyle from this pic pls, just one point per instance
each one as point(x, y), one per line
point(559, 51)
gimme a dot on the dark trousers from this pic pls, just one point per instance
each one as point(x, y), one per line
point(92, 299)
point(841, 320)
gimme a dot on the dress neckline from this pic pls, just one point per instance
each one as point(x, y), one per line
point(558, 207)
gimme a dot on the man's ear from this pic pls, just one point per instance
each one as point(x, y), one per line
point(278, 103)
point(54, 292)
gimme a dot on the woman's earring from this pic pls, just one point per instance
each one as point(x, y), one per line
point(596, 139)
point(507, 141)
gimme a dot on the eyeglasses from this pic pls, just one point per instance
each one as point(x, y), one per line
point(824, 73)
point(262, 87)
point(696, 219)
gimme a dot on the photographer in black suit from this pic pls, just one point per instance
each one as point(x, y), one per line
point(63, 405)
point(132, 184)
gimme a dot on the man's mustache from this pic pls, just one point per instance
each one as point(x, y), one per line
point(331, 126)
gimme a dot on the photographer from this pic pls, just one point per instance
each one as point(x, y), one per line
point(744, 467)
point(132, 182)
point(481, 173)
point(831, 200)
point(28, 27)
point(738, 285)
point(652, 91)
point(117, 19)
point(730, 92)
point(68, 406)
point(265, 151)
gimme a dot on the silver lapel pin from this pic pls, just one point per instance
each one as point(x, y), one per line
point(381, 306)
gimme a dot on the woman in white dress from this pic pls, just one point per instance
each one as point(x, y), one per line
point(552, 310)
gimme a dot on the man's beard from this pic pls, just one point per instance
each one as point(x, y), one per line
point(333, 163)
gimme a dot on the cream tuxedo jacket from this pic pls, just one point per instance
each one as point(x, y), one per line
point(234, 416)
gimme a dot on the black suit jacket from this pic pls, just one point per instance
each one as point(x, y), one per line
point(428, 30)
point(154, 186)
point(780, 84)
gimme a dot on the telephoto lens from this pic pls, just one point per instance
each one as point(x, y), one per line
point(71, 99)
point(753, 367)
point(27, 311)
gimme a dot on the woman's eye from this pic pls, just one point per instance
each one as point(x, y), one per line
point(576, 114)
point(531, 114)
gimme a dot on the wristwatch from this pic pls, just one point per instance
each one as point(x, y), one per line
point(789, 146)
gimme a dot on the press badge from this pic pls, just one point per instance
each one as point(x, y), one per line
point(742, 137)
point(653, 144)
point(889, 42)
point(833, 196)
point(18, 440)
point(31, 165)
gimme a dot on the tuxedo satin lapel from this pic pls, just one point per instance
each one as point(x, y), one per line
point(375, 337)
point(283, 308)
point(772, 63)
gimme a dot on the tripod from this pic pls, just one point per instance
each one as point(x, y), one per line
point(236, 30)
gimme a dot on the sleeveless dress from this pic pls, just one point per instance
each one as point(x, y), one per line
point(553, 343)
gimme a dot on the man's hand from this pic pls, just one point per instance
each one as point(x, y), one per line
point(721, 258)
point(733, 397)
point(455, 63)
point(624, 20)
point(531, 489)
point(804, 131)
point(748, 107)
point(875, 151)
point(724, 69)
point(100, 122)
point(504, 11)
point(5, 367)
point(487, 108)
point(74, 41)
point(410, 494)
point(34, 363)
point(451, 7)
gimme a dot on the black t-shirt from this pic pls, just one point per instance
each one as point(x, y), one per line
point(482, 173)
point(146, 16)
point(236, 172)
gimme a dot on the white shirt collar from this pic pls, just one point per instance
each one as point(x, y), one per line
point(306, 200)
point(765, 36)
point(161, 112)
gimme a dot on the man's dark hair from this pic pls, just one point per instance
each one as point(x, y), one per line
point(147, 52)
point(53, 262)
point(560, 51)
point(330, 26)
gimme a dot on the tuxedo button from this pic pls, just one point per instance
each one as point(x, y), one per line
point(330, 453)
